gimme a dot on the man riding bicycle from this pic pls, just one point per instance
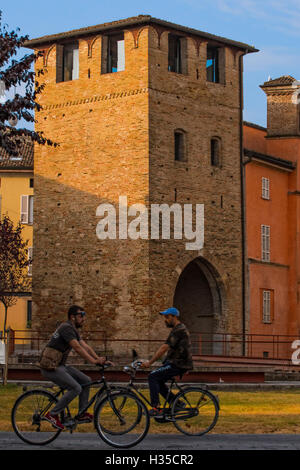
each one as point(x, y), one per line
point(177, 361)
point(64, 339)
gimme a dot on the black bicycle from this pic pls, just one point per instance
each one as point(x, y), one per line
point(120, 417)
point(194, 411)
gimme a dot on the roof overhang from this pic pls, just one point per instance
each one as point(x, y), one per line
point(141, 20)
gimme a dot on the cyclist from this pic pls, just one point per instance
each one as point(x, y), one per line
point(178, 359)
point(65, 338)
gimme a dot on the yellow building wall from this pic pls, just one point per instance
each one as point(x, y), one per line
point(13, 186)
point(16, 316)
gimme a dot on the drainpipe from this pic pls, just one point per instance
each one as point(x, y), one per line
point(243, 204)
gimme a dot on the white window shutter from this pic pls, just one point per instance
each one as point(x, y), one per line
point(121, 56)
point(24, 209)
point(30, 209)
point(75, 70)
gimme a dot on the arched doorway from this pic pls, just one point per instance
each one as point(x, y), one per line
point(199, 298)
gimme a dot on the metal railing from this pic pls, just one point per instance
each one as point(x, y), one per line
point(26, 343)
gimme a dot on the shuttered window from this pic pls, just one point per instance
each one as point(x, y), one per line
point(267, 305)
point(265, 182)
point(26, 209)
point(265, 243)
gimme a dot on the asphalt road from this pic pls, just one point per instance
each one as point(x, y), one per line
point(165, 442)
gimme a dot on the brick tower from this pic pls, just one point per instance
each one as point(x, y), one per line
point(150, 111)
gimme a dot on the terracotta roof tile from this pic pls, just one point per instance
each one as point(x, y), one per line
point(281, 81)
point(23, 162)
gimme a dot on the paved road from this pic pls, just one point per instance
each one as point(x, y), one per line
point(90, 441)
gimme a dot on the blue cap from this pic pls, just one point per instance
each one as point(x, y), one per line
point(171, 311)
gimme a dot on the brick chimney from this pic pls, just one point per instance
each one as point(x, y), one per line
point(283, 98)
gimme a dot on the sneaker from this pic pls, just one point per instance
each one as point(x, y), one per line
point(155, 412)
point(54, 420)
point(85, 418)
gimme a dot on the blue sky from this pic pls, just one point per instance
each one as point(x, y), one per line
point(272, 26)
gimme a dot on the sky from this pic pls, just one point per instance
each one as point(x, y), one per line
point(272, 26)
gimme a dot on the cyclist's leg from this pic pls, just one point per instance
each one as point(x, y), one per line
point(63, 379)
point(170, 372)
point(82, 379)
point(157, 379)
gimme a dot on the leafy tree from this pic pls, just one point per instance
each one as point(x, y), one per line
point(13, 264)
point(19, 72)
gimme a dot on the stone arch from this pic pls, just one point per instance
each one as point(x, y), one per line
point(90, 42)
point(200, 298)
point(47, 53)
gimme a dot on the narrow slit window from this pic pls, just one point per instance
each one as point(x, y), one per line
point(215, 151)
point(179, 146)
point(212, 65)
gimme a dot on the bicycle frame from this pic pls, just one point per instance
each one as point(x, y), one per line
point(131, 385)
point(105, 387)
point(182, 414)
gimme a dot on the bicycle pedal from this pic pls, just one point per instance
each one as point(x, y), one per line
point(84, 421)
point(69, 423)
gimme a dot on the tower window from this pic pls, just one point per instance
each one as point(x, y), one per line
point(179, 146)
point(175, 61)
point(113, 55)
point(212, 64)
point(67, 62)
point(215, 152)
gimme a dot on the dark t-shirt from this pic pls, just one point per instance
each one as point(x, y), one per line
point(179, 353)
point(61, 338)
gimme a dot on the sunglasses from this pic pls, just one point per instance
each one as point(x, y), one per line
point(83, 314)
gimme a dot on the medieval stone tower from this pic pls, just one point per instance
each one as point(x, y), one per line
point(150, 111)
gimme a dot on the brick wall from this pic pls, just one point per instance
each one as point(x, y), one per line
point(116, 138)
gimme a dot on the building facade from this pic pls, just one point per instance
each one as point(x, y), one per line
point(16, 201)
point(271, 158)
point(145, 113)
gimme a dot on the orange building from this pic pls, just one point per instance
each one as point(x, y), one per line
point(272, 189)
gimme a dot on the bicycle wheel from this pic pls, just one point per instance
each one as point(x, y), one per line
point(195, 411)
point(27, 417)
point(121, 419)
